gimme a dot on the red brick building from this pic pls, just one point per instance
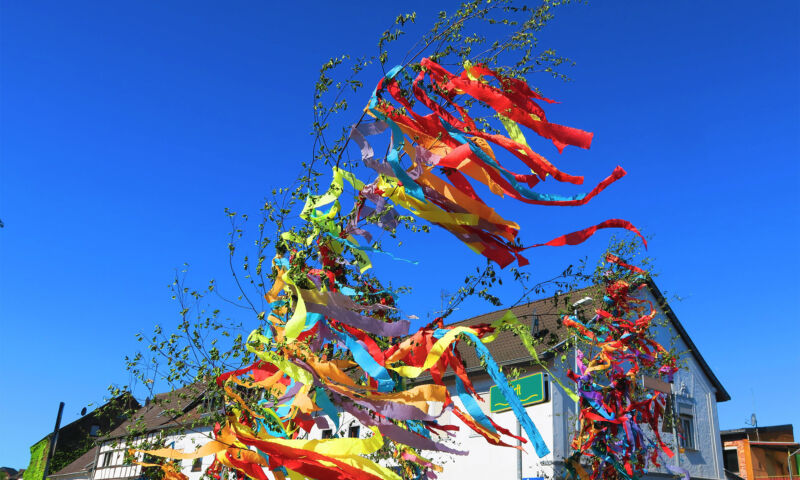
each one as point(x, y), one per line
point(761, 453)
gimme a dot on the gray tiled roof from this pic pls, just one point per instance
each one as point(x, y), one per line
point(81, 464)
point(170, 409)
point(507, 349)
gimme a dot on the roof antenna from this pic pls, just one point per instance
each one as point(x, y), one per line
point(754, 423)
point(753, 420)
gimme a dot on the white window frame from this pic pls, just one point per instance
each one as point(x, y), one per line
point(688, 440)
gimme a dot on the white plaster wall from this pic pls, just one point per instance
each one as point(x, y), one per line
point(489, 461)
point(555, 420)
point(565, 412)
point(189, 441)
point(693, 388)
point(482, 459)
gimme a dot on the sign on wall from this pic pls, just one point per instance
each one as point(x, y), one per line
point(530, 390)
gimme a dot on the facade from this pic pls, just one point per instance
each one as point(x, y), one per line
point(693, 400)
point(761, 453)
point(8, 473)
point(694, 396)
point(77, 438)
point(174, 418)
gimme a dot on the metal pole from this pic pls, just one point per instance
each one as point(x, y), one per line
point(53, 441)
point(789, 461)
point(577, 372)
point(519, 452)
point(675, 420)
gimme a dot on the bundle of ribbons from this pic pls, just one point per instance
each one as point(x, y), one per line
point(333, 342)
point(612, 411)
point(448, 141)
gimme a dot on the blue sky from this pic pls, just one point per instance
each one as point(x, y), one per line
point(128, 127)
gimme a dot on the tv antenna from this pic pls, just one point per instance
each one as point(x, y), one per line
point(753, 421)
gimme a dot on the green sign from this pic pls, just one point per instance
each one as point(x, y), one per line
point(530, 390)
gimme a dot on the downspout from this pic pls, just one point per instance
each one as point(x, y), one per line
point(519, 451)
point(579, 303)
point(675, 420)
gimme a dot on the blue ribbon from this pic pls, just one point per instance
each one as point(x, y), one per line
point(411, 187)
point(416, 426)
point(324, 402)
point(365, 247)
point(311, 320)
point(367, 363)
point(472, 407)
point(522, 189)
point(516, 406)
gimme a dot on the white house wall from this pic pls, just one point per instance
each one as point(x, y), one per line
point(692, 387)
point(489, 461)
point(118, 470)
point(555, 420)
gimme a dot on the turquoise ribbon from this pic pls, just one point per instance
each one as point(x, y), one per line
point(324, 402)
point(502, 383)
point(520, 188)
point(366, 362)
point(472, 407)
point(516, 406)
point(393, 158)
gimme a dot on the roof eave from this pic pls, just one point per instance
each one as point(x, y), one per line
point(722, 395)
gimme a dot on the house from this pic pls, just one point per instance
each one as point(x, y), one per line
point(77, 438)
point(761, 452)
point(175, 419)
point(78, 469)
point(694, 394)
point(693, 399)
point(8, 473)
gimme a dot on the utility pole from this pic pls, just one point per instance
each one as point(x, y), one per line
point(53, 441)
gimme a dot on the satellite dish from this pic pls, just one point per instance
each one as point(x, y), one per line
point(753, 420)
point(83, 411)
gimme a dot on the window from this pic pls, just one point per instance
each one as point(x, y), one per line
point(687, 432)
point(94, 430)
point(327, 433)
point(197, 465)
point(107, 459)
point(353, 431)
point(730, 458)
